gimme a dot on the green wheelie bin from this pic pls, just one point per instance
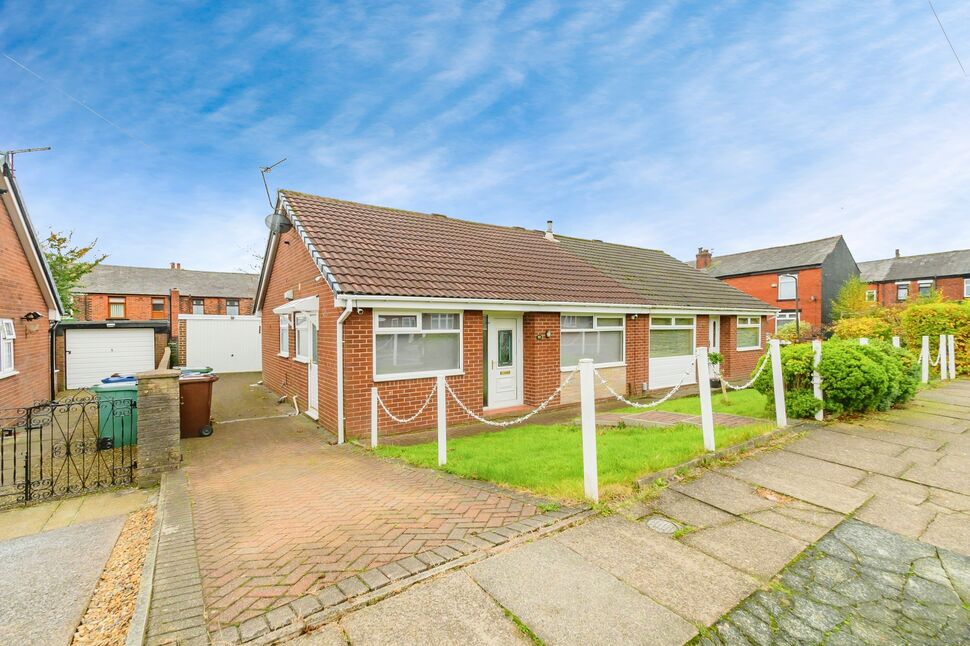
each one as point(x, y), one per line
point(117, 414)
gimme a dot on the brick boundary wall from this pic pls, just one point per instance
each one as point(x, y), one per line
point(158, 425)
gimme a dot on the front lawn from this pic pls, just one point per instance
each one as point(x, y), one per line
point(748, 402)
point(548, 459)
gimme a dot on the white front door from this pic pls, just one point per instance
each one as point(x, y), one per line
point(504, 362)
point(714, 341)
point(312, 384)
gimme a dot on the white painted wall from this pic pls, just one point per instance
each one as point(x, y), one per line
point(224, 343)
point(93, 354)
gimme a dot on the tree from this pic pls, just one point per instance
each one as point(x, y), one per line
point(69, 264)
point(851, 301)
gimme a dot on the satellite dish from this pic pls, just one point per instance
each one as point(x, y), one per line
point(278, 223)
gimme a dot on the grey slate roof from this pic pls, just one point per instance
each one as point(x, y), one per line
point(659, 278)
point(120, 279)
point(802, 254)
point(930, 265)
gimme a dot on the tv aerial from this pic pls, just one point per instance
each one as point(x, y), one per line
point(276, 221)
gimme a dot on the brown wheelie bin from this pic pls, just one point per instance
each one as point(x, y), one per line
point(195, 417)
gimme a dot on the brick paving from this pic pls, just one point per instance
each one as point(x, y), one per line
point(279, 512)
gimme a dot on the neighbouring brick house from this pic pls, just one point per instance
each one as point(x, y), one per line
point(354, 296)
point(133, 313)
point(904, 278)
point(800, 279)
point(29, 305)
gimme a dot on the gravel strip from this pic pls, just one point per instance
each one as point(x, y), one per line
point(109, 613)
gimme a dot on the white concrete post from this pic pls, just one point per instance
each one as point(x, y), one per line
point(896, 343)
point(373, 417)
point(925, 360)
point(704, 388)
point(952, 354)
point(442, 423)
point(863, 341)
point(817, 378)
point(944, 364)
point(587, 394)
point(781, 415)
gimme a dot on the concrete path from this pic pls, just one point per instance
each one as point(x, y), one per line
point(899, 572)
point(23, 521)
point(47, 579)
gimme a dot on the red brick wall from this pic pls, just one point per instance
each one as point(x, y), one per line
point(951, 288)
point(637, 353)
point(540, 360)
point(138, 307)
point(809, 288)
point(738, 364)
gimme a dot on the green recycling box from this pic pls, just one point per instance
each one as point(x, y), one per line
point(117, 414)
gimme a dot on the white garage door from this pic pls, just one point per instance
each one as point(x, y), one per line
point(226, 344)
point(95, 354)
point(672, 342)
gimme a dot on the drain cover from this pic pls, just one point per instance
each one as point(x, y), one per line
point(662, 525)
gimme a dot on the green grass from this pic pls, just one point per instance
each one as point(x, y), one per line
point(748, 402)
point(548, 459)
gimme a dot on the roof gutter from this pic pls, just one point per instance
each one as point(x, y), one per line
point(340, 368)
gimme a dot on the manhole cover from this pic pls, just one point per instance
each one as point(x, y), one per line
point(662, 525)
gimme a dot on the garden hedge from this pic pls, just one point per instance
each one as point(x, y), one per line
point(855, 378)
point(934, 319)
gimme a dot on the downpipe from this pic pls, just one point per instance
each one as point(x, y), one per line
point(349, 308)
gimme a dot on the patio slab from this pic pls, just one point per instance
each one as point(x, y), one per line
point(747, 546)
point(860, 457)
point(957, 481)
point(815, 490)
point(728, 494)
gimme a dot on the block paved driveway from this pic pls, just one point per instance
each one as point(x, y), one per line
point(279, 512)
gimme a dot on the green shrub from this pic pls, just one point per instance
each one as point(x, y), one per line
point(934, 319)
point(869, 327)
point(788, 331)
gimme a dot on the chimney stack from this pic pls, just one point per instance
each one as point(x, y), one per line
point(174, 265)
point(703, 258)
point(549, 235)
point(897, 253)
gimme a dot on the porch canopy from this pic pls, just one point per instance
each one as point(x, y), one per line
point(307, 304)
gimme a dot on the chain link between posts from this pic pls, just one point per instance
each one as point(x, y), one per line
point(670, 394)
point(517, 420)
point(764, 362)
point(406, 420)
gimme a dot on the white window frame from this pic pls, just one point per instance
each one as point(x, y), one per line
point(872, 293)
point(748, 325)
point(597, 328)
point(794, 280)
point(417, 329)
point(673, 326)
point(235, 301)
point(902, 283)
point(303, 327)
point(787, 317)
point(285, 325)
point(201, 305)
point(966, 287)
point(8, 332)
point(920, 284)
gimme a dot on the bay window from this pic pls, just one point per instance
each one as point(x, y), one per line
point(285, 335)
point(749, 332)
point(599, 338)
point(671, 336)
point(416, 344)
point(7, 335)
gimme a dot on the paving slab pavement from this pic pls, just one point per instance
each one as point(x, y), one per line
point(908, 436)
point(565, 599)
point(747, 546)
point(23, 521)
point(813, 489)
point(859, 457)
point(47, 579)
point(725, 493)
point(957, 481)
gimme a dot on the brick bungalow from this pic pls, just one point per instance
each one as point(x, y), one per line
point(354, 296)
point(800, 279)
point(903, 278)
point(29, 305)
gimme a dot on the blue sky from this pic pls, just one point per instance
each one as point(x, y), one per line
point(664, 124)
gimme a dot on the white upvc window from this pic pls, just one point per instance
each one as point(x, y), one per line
point(409, 345)
point(925, 288)
point(232, 307)
point(285, 335)
point(671, 336)
point(902, 291)
point(787, 287)
point(749, 333)
point(7, 335)
point(966, 287)
point(784, 318)
point(198, 306)
point(600, 338)
point(302, 329)
point(870, 296)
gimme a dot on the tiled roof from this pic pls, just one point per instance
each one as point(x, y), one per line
point(803, 254)
point(121, 279)
point(380, 251)
point(944, 263)
point(661, 279)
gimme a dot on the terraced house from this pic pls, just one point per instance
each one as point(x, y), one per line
point(354, 296)
point(904, 278)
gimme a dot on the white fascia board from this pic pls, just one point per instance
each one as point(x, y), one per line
point(217, 317)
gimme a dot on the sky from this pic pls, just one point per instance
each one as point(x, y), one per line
point(671, 125)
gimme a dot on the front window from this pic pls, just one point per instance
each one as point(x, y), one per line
point(787, 287)
point(232, 307)
point(749, 332)
point(870, 296)
point(416, 344)
point(599, 338)
point(158, 308)
point(7, 335)
point(285, 335)
point(671, 336)
point(902, 291)
point(198, 306)
point(116, 307)
point(925, 288)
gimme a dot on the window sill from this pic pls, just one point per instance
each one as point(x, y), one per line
point(12, 373)
point(615, 364)
point(285, 355)
point(404, 376)
point(748, 349)
point(302, 359)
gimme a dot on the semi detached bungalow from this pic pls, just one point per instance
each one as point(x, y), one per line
point(354, 296)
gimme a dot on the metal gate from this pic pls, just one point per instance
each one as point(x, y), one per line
point(67, 447)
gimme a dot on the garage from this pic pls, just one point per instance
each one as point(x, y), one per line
point(93, 354)
point(672, 342)
point(224, 343)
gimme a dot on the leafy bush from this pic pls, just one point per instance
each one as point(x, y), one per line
point(870, 327)
point(788, 331)
point(855, 378)
point(934, 319)
point(851, 301)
